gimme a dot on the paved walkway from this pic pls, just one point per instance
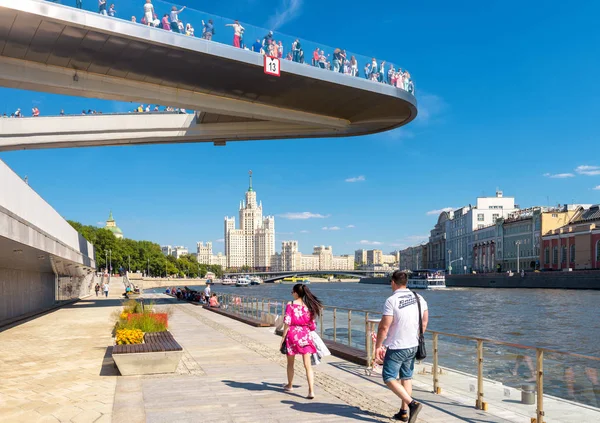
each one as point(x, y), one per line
point(56, 368)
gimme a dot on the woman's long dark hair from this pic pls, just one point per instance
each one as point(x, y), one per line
point(312, 303)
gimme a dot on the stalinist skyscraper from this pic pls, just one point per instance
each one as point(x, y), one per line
point(253, 243)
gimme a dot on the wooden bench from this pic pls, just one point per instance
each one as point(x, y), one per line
point(244, 319)
point(153, 342)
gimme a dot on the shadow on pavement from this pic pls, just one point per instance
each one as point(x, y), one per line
point(346, 411)
point(109, 368)
point(263, 386)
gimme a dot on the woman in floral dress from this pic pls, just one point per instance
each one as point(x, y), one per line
point(299, 320)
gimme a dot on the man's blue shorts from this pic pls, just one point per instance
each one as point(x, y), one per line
point(399, 363)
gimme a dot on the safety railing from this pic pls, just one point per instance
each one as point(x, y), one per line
point(529, 381)
point(288, 48)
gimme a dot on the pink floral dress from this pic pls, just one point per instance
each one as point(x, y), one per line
point(301, 323)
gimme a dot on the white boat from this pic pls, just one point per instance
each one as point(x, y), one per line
point(228, 281)
point(242, 281)
point(255, 280)
point(426, 279)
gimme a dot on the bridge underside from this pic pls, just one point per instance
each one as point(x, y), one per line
point(52, 48)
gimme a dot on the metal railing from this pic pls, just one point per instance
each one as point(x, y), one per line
point(546, 379)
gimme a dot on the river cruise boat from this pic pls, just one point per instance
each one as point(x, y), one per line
point(228, 281)
point(242, 281)
point(426, 279)
point(255, 280)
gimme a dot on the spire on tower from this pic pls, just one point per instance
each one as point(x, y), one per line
point(250, 175)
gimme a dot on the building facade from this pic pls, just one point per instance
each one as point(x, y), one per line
point(111, 225)
point(575, 245)
point(179, 251)
point(484, 249)
point(436, 253)
point(465, 220)
point(167, 250)
point(374, 257)
point(414, 258)
point(360, 257)
point(322, 258)
point(252, 244)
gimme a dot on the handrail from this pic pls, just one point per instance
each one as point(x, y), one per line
point(453, 335)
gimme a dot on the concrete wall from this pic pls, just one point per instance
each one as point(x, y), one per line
point(24, 291)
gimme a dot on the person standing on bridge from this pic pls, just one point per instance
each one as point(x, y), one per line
point(79, 4)
point(174, 17)
point(102, 7)
point(149, 12)
point(299, 321)
point(238, 30)
point(399, 332)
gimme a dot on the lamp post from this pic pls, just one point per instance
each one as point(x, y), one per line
point(458, 259)
point(148, 269)
point(110, 262)
point(518, 243)
point(449, 262)
point(129, 263)
point(106, 260)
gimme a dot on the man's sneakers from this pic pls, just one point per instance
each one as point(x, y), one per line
point(401, 415)
point(414, 407)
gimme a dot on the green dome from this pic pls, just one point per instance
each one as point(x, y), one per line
point(115, 230)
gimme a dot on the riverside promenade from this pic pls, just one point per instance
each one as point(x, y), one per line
point(57, 368)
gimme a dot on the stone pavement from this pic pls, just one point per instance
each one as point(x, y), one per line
point(54, 368)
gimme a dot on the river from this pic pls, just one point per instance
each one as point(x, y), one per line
point(566, 320)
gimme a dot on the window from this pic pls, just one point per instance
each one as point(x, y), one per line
point(572, 258)
point(480, 217)
point(555, 255)
point(480, 226)
point(564, 254)
point(495, 217)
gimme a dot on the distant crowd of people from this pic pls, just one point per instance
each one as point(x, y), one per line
point(337, 61)
point(187, 294)
point(35, 112)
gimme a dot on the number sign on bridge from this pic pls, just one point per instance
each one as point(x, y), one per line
point(272, 66)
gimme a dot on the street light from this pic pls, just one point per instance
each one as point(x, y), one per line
point(450, 267)
point(129, 263)
point(518, 243)
point(106, 260)
point(110, 262)
point(148, 269)
point(449, 264)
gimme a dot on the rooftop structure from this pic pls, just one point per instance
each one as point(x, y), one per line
point(111, 225)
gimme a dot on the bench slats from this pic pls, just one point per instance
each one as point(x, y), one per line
point(153, 342)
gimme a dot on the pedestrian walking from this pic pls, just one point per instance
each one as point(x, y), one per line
point(79, 4)
point(106, 290)
point(97, 288)
point(299, 320)
point(397, 342)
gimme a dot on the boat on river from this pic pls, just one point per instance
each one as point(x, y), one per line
point(296, 279)
point(426, 279)
point(242, 281)
point(255, 280)
point(228, 281)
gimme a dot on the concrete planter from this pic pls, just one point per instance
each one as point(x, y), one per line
point(147, 363)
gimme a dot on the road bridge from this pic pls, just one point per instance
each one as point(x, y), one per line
point(58, 49)
point(275, 276)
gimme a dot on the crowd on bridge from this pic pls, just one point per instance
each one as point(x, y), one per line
point(35, 112)
point(336, 61)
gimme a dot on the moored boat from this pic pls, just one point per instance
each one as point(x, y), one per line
point(426, 279)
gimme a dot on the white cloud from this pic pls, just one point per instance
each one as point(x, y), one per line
point(351, 226)
point(588, 170)
point(303, 215)
point(597, 188)
point(397, 244)
point(284, 233)
point(220, 240)
point(304, 232)
point(366, 242)
point(439, 211)
point(559, 175)
point(360, 178)
point(331, 228)
point(100, 223)
point(288, 10)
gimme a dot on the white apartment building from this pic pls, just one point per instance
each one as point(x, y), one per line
point(360, 256)
point(463, 221)
point(253, 243)
point(322, 258)
point(204, 253)
point(167, 250)
point(179, 251)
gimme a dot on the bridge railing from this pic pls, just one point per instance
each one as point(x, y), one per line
point(532, 382)
point(224, 34)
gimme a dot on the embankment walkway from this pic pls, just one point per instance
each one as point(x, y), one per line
point(57, 368)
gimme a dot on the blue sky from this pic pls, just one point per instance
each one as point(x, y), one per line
point(508, 98)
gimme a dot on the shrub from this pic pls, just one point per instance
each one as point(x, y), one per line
point(129, 336)
point(146, 322)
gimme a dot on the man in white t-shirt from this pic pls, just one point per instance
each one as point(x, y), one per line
point(207, 293)
point(399, 332)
